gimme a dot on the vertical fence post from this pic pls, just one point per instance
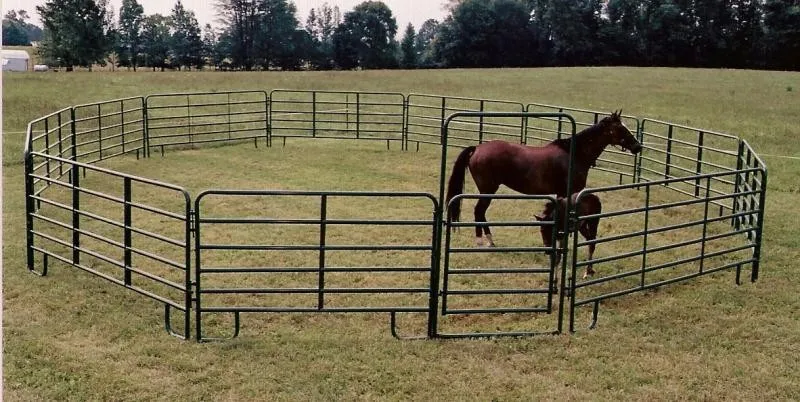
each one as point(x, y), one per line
point(433, 296)
point(646, 232)
point(314, 114)
point(759, 225)
point(60, 147)
point(480, 124)
point(189, 118)
point(637, 159)
point(127, 230)
point(100, 130)
point(699, 168)
point(323, 213)
point(448, 229)
point(268, 117)
point(705, 224)
point(571, 280)
point(192, 224)
point(439, 225)
point(229, 116)
point(668, 159)
point(750, 198)
point(76, 217)
point(29, 204)
point(558, 135)
point(347, 110)
point(47, 146)
point(73, 134)
point(442, 140)
point(404, 134)
point(198, 321)
point(146, 128)
point(358, 115)
point(122, 123)
point(735, 221)
point(523, 134)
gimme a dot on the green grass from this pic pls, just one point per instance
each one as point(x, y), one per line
point(72, 336)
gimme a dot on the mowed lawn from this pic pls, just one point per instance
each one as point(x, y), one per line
point(73, 336)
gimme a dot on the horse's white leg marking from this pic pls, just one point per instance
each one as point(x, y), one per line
point(489, 241)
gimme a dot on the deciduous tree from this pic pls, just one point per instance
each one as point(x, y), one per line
point(156, 41)
point(491, 33)
point(424, 42)
point(782, 24)
point(78, 32)
point(186, 44)
point(129, 30)
point(365, 38)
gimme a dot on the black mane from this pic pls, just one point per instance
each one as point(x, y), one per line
point(564, 143)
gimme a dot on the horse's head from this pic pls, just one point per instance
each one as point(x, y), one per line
point(547, 214)
point(619, 134)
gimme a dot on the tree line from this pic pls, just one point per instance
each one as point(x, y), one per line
point(266, 34)
point(17, 31)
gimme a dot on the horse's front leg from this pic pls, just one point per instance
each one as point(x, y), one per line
point(480, 217)
point(589, 232)
point(589, 270)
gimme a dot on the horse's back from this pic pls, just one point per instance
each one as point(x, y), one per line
point(526, 169)
point(590, 204)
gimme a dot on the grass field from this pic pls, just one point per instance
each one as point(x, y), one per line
point(72, 336)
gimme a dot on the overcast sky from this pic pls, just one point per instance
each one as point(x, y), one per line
point(405, 11)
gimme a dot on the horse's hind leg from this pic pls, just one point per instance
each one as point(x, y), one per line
point(589, 232)
point(480, 217)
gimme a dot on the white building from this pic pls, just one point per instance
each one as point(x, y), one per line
point(15, 60)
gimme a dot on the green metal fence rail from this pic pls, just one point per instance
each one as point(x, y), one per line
point(322, 235)
point(93, 218)
point(108, 129)
point(338, 115)
point(427, 113)
point(78, 223)
point(193, 119)
point(460, 297)
point(657, 258)
point(674, 151)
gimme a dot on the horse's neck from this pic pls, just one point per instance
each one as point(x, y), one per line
point(591, 145)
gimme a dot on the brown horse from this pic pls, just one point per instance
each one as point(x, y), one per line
point(533, 170)
point(589, 205)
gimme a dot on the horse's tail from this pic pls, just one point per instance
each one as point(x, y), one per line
point(455, 185)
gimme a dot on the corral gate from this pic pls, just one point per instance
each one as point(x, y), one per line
point(298, 261)
point(525, 285)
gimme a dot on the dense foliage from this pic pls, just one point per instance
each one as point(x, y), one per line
point(76, 32)
point(266, 34)
point(17, 31)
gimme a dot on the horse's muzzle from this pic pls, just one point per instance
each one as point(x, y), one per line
point(636, 148)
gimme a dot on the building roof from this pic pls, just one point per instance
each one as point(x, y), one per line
point(14, 54)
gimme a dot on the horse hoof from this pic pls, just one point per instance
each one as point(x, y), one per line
point(490, 241)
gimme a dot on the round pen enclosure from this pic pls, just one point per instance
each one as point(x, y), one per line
point(320, 225)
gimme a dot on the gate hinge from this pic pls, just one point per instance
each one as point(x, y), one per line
point(192, 222)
